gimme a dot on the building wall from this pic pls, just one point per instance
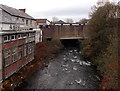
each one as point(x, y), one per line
point(16, 48)
point(10, 22)
point(38, 35)
point(1, 58)
point(21, 51)
point(0, 18)
point(6, 26)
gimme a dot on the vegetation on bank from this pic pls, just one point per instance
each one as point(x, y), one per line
point(43, 52)
point(102, 45)
point(47, 49)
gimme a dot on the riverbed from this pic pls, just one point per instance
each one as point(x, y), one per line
point(68, 70)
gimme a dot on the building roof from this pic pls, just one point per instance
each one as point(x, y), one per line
point(41, 20)
point(15, 12)
point(60, 22)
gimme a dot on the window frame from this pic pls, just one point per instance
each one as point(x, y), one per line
point(20, 53)
point(25, 50)
point(29, 49)
point(27, 22)
point(31, 34)
point(14, 54)
point(7, 38)
point(14, 37)
point(6, 57)
point(24, 35)
point(20, 36)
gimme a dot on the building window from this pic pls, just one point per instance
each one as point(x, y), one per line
point(24, 35)
point(33, 46)
point(31, 22)
point(29, 49)
point(26, 22)
point(14, 55)
point(6, 38)
point(10, 26)
point(19, 36)
point(19, 53)
point(7, 58)
point(13, 37)
point(25, 50)
point(31, 34)
point(23, 20)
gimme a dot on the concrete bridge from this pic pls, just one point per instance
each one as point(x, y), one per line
point(67, 38)
point(64, 31)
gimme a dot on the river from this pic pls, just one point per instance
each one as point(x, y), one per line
point(67, 70)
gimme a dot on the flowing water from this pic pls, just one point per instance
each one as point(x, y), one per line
point(66, 71)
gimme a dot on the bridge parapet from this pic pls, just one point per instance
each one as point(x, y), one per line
point(63, 30)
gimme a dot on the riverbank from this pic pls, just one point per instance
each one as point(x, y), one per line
point(106, 63)
point(67, 70)
point(102, 44)
point(43, 51)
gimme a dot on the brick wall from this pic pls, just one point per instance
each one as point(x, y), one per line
point(62, 31)
point(19, 44)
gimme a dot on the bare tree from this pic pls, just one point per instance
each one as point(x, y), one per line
point(55, 19)
point(83, 21)
point(69, 20)
point(102, 2)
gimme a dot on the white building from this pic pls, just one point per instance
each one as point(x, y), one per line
point(38, 35)
point(14, 19)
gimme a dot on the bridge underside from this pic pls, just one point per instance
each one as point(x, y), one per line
point(69, 38)
point(70, 42)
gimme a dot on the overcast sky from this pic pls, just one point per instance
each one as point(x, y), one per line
point(75, 9)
